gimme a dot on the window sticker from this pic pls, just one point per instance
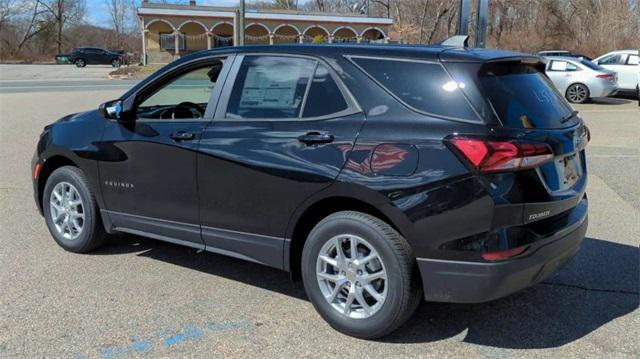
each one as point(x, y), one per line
point(559, 66)
point(266, 87)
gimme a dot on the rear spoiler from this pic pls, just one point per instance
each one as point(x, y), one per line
point(533, 60)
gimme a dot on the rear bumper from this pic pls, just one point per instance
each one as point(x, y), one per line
point(475, 282)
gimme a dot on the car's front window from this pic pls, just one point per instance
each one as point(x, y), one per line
point(184, 97)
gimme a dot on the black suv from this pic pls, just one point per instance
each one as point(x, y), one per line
point(379, 175)
point(83, 56)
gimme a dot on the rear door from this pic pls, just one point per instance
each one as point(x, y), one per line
point(282, 132)
point(561, 73)
point(630, 72)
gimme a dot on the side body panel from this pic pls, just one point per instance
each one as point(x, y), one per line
point(253, 174)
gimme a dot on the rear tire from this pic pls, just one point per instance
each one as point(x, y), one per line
point(380, 251)
point(577, 93)
point(71, 211)
point(80, 63)
point(115, 63)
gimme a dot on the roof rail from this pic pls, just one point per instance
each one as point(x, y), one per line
point(456, 41)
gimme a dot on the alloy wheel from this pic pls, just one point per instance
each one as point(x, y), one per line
point(577, 93)
point(67, 210)
point(352, 276)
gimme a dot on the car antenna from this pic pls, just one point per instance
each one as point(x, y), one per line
point(456, 41)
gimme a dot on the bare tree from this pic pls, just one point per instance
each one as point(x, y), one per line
point(120, 13)
point(61, 13)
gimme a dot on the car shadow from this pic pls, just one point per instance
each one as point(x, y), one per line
point(598, 286)
point(618, 100)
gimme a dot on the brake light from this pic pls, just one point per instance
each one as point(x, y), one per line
point(487, 156)
point(605, 76)
point(502, 255)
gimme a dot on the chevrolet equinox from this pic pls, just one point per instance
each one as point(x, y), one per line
point(380, 176)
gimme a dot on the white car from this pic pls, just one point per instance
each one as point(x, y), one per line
point(625, 64)
point(579, 80)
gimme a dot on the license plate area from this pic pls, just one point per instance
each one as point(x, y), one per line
point(569, 170)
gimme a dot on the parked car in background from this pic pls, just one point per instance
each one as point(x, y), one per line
point(563, 53)
point(83, 56)
point(625, 64)
point(580, 80)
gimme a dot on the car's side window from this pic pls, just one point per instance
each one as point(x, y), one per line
point(633, 60)
point(270, 87)
point(557, 65)
point(185, 96)
point(611, 60)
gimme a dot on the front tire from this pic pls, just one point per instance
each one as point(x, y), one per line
point(115, 63)
point(360, 275)
point(80, 63)
point(577, 93)
point(71, 211)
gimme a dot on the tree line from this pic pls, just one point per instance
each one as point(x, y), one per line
point(39, 29)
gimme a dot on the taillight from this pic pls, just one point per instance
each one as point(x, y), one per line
point(487, 156)
point(610, 77)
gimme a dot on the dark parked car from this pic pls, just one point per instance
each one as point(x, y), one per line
point(379, 175)
point(83, 56)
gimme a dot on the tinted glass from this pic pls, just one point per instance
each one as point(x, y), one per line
point(591, 65)
point(523, 97)
point(611, 60)
point(423, 86)
point(270, 87)
point(324, 98)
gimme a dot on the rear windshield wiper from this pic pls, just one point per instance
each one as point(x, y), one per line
point(567, 117)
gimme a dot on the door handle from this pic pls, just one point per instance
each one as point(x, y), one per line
point(182, 136)
point(312, 138)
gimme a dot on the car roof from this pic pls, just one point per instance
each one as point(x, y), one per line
point(434, 52)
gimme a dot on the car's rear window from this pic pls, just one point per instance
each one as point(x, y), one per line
point(591, 65)
point(423, 86)
point(523, 97)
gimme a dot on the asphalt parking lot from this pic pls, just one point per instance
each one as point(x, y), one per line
point(138, 297)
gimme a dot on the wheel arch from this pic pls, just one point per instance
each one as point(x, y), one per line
point(51, 164)
point(302, 225)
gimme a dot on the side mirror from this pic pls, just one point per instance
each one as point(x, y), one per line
point(113, 110)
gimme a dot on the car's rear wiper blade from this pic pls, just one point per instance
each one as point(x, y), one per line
point(566, 118)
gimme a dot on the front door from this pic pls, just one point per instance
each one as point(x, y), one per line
point(148, 177)
point(282, 132)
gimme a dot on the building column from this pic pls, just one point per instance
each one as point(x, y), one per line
point(271, 36)
point(144, 47)
point(358, 39)
point(386, 40)
point(330, 39)
point(176, 43)
point(301, 38)
point(209, 35)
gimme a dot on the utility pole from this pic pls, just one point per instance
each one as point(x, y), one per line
point(463, 19)
point(481, 23)
point(241, 24)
